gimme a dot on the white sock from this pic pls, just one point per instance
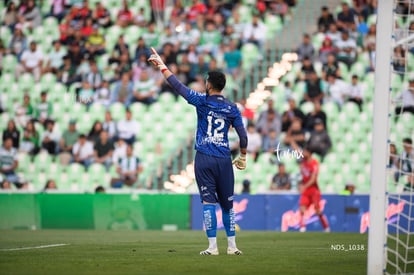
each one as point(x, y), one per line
point(231, 241)
point(212, 243)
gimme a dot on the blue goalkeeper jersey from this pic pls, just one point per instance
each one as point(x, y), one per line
point(215, 115)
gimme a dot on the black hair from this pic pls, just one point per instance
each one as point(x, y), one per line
point(217, 80)
point(408, 140)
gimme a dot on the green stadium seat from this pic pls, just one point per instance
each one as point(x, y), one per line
point(9, 63)
point(250, 55)
point(118, 111)
point(42, 162)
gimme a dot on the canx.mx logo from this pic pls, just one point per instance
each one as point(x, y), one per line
point(288, 153)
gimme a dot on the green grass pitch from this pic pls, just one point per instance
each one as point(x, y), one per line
point(158, 252)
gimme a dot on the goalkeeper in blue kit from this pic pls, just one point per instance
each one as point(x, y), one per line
point(213, 165)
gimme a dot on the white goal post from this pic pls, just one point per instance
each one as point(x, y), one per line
point(378, 199)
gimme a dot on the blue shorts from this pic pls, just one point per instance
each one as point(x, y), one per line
point(215, 179)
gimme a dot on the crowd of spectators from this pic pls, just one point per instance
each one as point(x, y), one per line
point(100, 68)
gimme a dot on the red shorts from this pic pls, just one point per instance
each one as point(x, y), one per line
point(310, 196)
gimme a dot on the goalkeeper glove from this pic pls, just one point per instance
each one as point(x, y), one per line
point(240, 162)
point(156, 60)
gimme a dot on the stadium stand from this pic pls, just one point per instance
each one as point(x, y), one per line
point(166, 126)
point(72, 36)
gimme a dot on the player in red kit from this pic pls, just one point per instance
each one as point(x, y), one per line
point(310, 193)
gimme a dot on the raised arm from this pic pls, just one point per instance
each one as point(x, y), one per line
point(179, 87)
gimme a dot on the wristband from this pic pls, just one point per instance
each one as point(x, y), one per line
point(163, 70)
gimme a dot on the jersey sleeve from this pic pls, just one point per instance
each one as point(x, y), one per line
point(192, 97)
point(315, 167)
point(238, 120)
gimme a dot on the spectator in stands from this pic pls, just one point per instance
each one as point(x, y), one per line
point(291, 114)
point(120, 48)
point(210, 39)
point(151, 36)
point(128, 128)
point(331, 67)
point(50, 185)
point(345, 17)
point(95, 132)
point(18, 42)
point(83, 151)
point(12, 132)
point(348, 190)
point(337, 90)
point(124, 17)
point(140, 18)
point(43, 109)
point(58, 9)
point(123, 90)
point(356, 92)
point(109, 125)
point(128, 169)
point(5, 184)
point(87, 27)
point(120, 150)
point(68, 139)
point(409, 186)
point(75, 53)
point(50, 138)
point(86, 94)
point(319, 141)
point(246, 186)
point(295, 136)
point(67, 72)
point(326, 49)
point(306, 48)
point(333, 33)
point(102, 94)
point(145, 89)
point(169, 53)
point(255, 141)
point(325, 19)
point(306, 69)
point(31, 140)
point(124, 66)
point(399, 60)
point(55, 58)
point(95, 45)
point(370, 37)
point(271, 142)
point(31, 16)
point(271, 121)
point(281, 180)
point(233, 59)
point(346, 49)
point(94, 77)
point(9, 163)
point(188, 36)
point(196, 9)
point(407, 100)
point(100, 190)
point(24, 111)
point(393, 161)
point(405, 163)
point(313, 88)
point(101, 15)
point(11, 16)
point(31, 62)
point(255, 32)
point(103, 150)
point(279, 7)
point(316, 114)
point(142, 49)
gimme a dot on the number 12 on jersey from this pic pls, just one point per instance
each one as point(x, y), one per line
point(214, 128)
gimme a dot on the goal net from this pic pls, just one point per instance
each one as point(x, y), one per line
point(393, 131)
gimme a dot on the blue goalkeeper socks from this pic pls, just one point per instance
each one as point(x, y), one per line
point(210, 220)
point(229, 222)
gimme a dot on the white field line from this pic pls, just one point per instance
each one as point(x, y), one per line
point(34, 247)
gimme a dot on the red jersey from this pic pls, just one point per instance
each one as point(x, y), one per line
point(307, 168)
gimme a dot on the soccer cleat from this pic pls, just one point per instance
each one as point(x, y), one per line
point(302, 229)
point(233, 251)
point(209, 251)
point(327, 230)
